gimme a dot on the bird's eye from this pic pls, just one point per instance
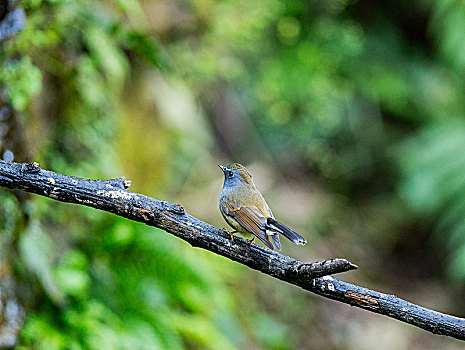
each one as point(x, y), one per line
point(230, 174)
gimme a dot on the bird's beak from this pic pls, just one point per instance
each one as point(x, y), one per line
point(222, 167)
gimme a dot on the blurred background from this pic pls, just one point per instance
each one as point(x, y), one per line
point(349, 115)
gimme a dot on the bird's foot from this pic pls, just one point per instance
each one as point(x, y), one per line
point(251, 241)
point(231, 234)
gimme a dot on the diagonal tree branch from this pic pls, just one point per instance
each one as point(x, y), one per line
point(112, 196)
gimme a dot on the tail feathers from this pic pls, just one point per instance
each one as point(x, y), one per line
point(276, 242)
point(286, 231)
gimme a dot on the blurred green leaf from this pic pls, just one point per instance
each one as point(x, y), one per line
point(144, 46)
point(433, 163)
point(38, 252)
point(22, 81)
point(71, 274)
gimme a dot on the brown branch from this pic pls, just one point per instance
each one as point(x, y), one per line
point(112, 196)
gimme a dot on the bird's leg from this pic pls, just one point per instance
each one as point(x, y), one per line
point(231, 234)
point(251, 241)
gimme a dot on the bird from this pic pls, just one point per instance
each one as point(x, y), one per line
point(246, 211)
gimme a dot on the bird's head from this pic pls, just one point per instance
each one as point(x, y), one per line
point(236, 175)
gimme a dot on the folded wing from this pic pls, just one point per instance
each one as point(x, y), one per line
point(251, 219)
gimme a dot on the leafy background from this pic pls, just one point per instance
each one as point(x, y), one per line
point(349, 114)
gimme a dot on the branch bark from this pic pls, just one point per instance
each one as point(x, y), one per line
point(112, 196)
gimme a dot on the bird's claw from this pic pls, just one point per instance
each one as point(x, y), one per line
point(231, 234)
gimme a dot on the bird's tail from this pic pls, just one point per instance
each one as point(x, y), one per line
point(286, 231)
point(276, 242)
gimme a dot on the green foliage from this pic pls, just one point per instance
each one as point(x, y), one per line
point(22, 81)
point(140, 294)
point(272, 333)
point(448, 28)
point(100, 282)
point(295, 79)
point(71, 274)
point(317, 87)
point(433, 164)
point(432, 160)
point(8, 216)
point(38, 252)
point(93, 327)
point(352, 98)
point(144, 46)
point(302, 73)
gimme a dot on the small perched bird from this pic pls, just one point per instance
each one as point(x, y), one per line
point(245, 210)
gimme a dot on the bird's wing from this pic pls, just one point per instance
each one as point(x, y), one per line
point(250, 218)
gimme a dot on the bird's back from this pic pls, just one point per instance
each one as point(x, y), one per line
point(246, 196)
